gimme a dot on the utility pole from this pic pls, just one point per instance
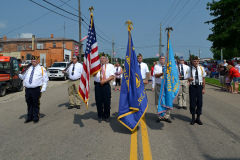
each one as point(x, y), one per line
point(221, 54)
point(160, 41)
point(80, 32)
point(189, 54)
point(113, 49)
point(199, 53)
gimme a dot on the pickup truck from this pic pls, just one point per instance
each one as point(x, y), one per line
point(55, 71)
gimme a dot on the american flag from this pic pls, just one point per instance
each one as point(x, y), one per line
point(91, 64)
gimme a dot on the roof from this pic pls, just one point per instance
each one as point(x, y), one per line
point(36, 39)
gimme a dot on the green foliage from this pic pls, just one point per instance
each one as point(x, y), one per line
point(150, 61)
point(226, 30)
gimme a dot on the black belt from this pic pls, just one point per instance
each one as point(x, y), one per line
point(99, 83)
point(39, 87)
point(75, 79)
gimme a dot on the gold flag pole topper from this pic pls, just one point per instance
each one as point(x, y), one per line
point(91, 9)
point(129, 27)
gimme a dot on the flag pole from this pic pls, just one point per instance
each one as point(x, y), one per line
point(129, 27)
point(168, 36)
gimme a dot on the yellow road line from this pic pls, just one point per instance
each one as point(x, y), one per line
point(133, 149)
point(147, 155)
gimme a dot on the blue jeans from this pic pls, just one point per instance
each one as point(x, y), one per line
point(236, 79)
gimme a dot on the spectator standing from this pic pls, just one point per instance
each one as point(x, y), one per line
point(235, 76)
point(153, 77)
point(222, 71)
point(118, 76)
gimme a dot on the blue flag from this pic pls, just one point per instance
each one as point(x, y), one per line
point(133, 97)
point(170, 84)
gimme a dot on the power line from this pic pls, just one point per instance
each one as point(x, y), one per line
point(30, 21)
point(53, 11)
point(171, 12)
point(178, 12)
point(187, 13)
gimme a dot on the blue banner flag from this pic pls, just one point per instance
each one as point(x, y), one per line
point(133, 97)
point(170, 84)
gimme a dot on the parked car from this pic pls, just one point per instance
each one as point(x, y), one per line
point(56, 70)
point(9, 70)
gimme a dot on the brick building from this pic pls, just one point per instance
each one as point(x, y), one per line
point(50, 49)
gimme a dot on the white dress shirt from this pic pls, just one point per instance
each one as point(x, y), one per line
point(186, 70)
point(119, 68)
point(77, 71)
point(40, 78)
point(201, 74)
point(108, 72)
point(158, 70)
point(144, 69)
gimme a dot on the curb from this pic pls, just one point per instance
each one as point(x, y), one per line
point(216, 85)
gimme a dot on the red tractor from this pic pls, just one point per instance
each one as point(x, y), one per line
point(9, 70)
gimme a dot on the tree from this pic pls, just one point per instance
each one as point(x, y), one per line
point(226, 30)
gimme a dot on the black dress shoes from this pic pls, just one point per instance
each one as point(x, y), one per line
point(70, 107)
point(78, 106)
point(184, 107)
point(192, 122)
point(100, 120)
point(107, 120)
point(168, 120)
point(199, 122)
point(35, 121)
point(28, 120)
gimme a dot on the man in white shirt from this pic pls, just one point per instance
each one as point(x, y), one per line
point(143, 69)
point(158, 72)
point(35, 79)
point(196, 90)
point(74, 74)
point(118, 72)
point(225, 63)
point(103, 89)
point(183, 88)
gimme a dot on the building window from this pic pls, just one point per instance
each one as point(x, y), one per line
point(1, 47)
point(40, 46)
point(30, 46)
point(54, 45)
point(19, 48)
point(28, 56)
point(63, 45)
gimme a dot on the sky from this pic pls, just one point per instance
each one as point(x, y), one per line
point(186, 17)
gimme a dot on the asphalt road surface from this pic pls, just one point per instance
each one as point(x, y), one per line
point(76, 134)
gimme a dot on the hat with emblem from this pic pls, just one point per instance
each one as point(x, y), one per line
point(181, 58)
point(34, 57)
point(139, 55)
point(74, 56)
point(162, 55)
point(195, 58)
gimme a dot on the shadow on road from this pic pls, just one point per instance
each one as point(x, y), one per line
point(117, 126)
point(151, 121)
point(212, 158)
point(41, 115)
point(180, 117)
point(64, 104)
point(78, 118)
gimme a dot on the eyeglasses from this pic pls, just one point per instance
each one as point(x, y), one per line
point(181, 60)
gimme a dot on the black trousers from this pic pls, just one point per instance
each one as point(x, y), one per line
point(33, 96)
point(118, 81)
point(103, 99)
point(195, 96)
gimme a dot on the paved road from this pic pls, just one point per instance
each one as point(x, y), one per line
point(76, 134)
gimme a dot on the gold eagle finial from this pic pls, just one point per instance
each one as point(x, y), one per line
point(130, 25)
point(91, 9)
